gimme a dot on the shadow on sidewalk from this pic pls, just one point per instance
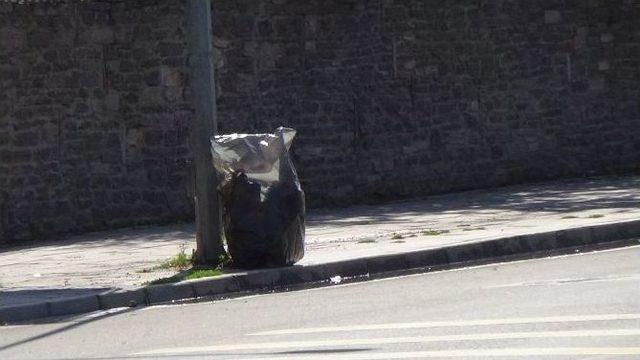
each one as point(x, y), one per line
point(72, 325)
point(567, 196)
point(152, 235)
point(614, 193)
point(29, 296)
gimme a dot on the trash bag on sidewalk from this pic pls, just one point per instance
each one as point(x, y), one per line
point(263, 202)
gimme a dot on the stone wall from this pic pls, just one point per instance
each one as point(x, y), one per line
point(392, 98)
point(410, 97)
point(93, 117)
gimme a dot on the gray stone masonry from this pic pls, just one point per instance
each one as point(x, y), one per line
point(391, 98)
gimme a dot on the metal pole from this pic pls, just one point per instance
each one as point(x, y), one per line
point(208, 219)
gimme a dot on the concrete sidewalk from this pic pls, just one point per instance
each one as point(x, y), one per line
point(94, 263)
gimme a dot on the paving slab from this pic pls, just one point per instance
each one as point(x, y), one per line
point(103, 262)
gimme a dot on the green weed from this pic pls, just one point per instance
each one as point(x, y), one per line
point(432, 232)
point(191, 274)
point(202, 273)
point(366, 241)
point(180, 261)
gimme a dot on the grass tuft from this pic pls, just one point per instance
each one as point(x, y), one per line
point(202, 273)
point(191, 274)
point(179, 261)
point(432, 232)
point(188, 270)
point(366, 241)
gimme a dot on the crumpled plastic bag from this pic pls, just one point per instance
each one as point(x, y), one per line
point(263, 202)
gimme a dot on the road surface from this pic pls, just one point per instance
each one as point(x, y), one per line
point(570, 307)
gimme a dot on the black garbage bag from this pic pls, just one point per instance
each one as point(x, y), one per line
point(262, 199)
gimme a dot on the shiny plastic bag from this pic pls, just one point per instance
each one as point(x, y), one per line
point(262, 199)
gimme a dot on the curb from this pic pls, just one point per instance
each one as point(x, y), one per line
point(370, 267)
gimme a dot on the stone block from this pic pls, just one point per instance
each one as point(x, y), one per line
point(597, 84)
point(250, 48)
point(124, 34)
point(122, 298)
point(604, 65)
point(135, 137)
point(552, 16)
point(23, 312)
point(310, 46)
point(259, 279)
point(386, 263)
point(173, 94)
point(26, 139)
point(166, 49)
point(573, 237)
point(346, 268)
point(112, 101)
point(170, 292)
point(5, 8)
point(101, 35)
point(506, 246)
point(469, 252)
point(426, 258)
point(153, 96)
point(77, 305)
point(299, 274)
point(152, 78)
point(216, 286)
point(171, 77)
point(606, 37)
point(541, 241)
point(615, 231)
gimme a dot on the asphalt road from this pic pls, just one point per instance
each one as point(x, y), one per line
point(571, 307)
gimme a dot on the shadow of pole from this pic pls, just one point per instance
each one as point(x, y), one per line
point(63, 329)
